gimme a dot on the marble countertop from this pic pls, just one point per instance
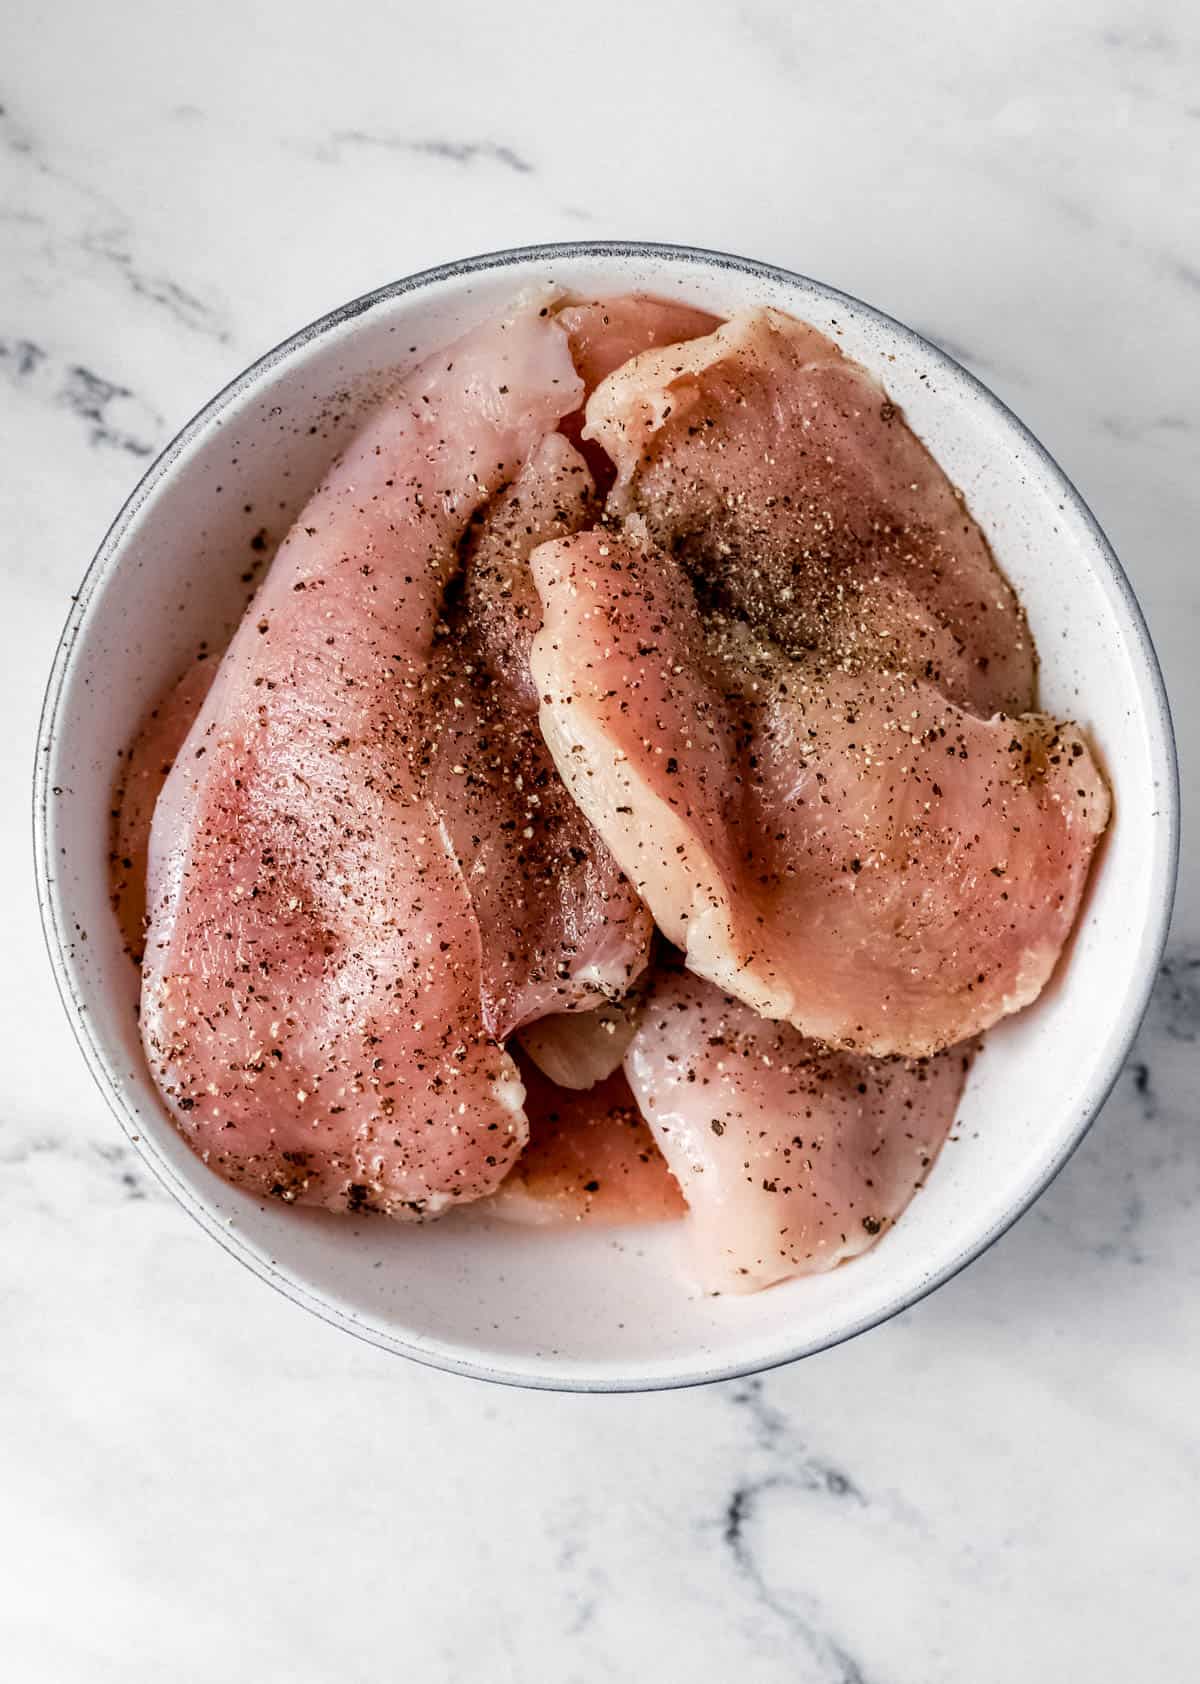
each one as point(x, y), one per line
point(199, 1480)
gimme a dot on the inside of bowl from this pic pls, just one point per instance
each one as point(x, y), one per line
point(577, 1307)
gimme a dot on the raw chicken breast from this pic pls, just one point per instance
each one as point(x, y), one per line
point(311, 1000)
point(786, 480)
point(791, 1158)
point(578, 1049)
point(590, 1159)
point(605, 333)
point(559, 926)
point(850, 852)
point(139, 784)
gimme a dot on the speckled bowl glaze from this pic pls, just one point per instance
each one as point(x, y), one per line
point(580, 1310)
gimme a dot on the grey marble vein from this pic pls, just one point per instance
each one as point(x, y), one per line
point(1131, 1194)
point(465, 152)
point(112, 247)
point(997, 368)
point(800, 1615)
point(14, 136)
point(787, 1471)
point(115, 418)
point(118, 1168)
point(772, 35)
point(773, 1433)
point(19, 358)
point(1187, 274)
point(1151, 40)
point(91, 223)
point(1131, 431)
point(93, 399)
point(1138, 1071)
point(582, 1582)
point(1175, 1008)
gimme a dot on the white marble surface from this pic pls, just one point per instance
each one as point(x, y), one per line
point(199, 1481)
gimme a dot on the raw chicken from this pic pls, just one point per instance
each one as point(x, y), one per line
point(850, 852)
point(786, 480)
point(590, 1159)
point(791, 1158)
point(578, 1049)
point(775, 678)
point(312, 982)
point(143, 773)
point(559, 926)
point(605, 333)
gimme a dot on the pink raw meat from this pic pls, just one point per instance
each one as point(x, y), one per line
point(590, 1159)
point(785, 479)
point(559, 925)
point(143, 773)
point(605, 333)
point(791, 1158)
point(847, 851)
point(312, 984)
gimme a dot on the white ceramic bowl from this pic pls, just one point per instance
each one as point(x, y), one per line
point(576, 1309)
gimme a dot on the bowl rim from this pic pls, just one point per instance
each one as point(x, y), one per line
point(1164, 865)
